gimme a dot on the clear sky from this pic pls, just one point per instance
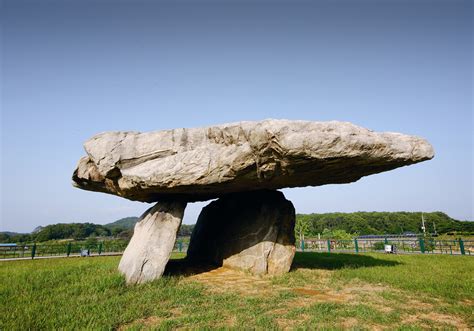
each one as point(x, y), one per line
point(71, 69)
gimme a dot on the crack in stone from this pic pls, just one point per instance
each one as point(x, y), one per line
point(142, 267)
point(266, 257)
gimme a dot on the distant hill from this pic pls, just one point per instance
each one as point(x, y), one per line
point(122, 228)
point(123, 223)
point(38, 229)
point(9, 233)
point(365, 223)
point(58, 231)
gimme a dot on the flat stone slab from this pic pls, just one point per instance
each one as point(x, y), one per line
point(204, 163)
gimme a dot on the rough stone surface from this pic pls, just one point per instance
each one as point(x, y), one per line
point(252, 231)
point(153, 239)
point(204, 163)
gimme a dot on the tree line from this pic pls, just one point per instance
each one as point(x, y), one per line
point(310, 225)
point(78, 231)
point(365, 223)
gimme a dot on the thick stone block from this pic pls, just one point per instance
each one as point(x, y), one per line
point(252, 231)
point(153, 240)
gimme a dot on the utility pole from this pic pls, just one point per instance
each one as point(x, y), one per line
point(423, 225)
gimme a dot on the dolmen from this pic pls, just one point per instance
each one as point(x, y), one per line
point(251, 225)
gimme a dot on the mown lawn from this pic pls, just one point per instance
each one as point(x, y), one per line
point(367, 291)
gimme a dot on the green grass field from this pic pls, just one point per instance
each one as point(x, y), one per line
point(369, 291)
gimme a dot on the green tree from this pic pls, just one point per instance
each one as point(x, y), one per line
point(91, 243)
point(70, 231)
point(385, 222)
point(302, 227)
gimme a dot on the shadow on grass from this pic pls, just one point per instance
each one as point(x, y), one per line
point(331, 261)
point(309, 260)
point(183, 267)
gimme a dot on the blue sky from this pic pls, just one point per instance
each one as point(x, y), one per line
point(71, 69)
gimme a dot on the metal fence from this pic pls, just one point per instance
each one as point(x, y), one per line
point(401, 245)
point(36, 250)
point(358, 245)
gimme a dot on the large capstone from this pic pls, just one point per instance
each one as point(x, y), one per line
point(252, 231)
point(250, 226)
point(204, 163)
point(153, 240)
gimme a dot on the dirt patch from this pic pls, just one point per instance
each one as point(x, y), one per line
point(318, 287)
point(345, 294)
point(384, 309)
point(323, 296)
point(225, 279)
point(289, 324)
point(415, 304)
point(365, 288)
point(437, 318)
point(148, 321)
point(446, 319)
point(151, 320)
point(231, 321)
point(468, 302)
point(349, 323)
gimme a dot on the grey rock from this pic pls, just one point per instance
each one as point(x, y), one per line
point(252, 231)
point(204, 163)
point(153, 239)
